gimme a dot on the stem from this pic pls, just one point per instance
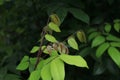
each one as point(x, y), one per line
point(41, 43)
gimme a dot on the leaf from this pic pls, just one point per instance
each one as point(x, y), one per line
point(23, 65)
point(101, 49)
point(115, 55)
point(57, 69)
point(98, 40)
point(45, 72)
point(55, 19)
point(62, 13)
point(74, 60)
point(40, 65)
point(54, 27)
point(79, 14)
point(34, 49)
point(81, 36)
point(32, 64)
point(84, 52)
point(50, 38)
point(44, 48)
point(54, 53)
point(117, 26)
point(108, 27)
point(35, 75)
point(92, 35)
point(112, 38)
point(115, 44)
point(72, 42)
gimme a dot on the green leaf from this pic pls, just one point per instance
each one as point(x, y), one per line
point(112, 38)
point(72, 42)
point(115, 55)
point(101, 49)
point(92, 35)
point(115, 44)
point(45, 72)
point(74, 60)
point(32, 64)
point(57, 69)
point(35, 75)
point(108, 27)
point(98, 40)
point(84, 52)
point(54, 27)
point(34, 49)
point(40, 65)
point(79, 14)
point(23, 64)
point(62, 13)
point(117, 26)
point(50, 38)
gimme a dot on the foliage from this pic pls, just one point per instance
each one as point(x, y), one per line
point(93, 24)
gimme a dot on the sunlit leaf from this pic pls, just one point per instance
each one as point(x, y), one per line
point(54, 27)
point(74, 60)
point(57, 69)
point(98, 40)
point(101, 49)
point(44, 49)
point(35, 75)
point(50, 38)
point(115, 55)
point(34, 49)
point(45, 72)
point(72, 42)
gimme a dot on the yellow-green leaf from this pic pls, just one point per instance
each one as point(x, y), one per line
point(72, 42)
point(115, 55)
point(57, 69)
point(54, 27)
point(45, 72)
point(98, 40)
point(50, 38)
point(35, 75)
point(101, 49)
point(74, 60)
point(34, 49)
point(44, 49)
